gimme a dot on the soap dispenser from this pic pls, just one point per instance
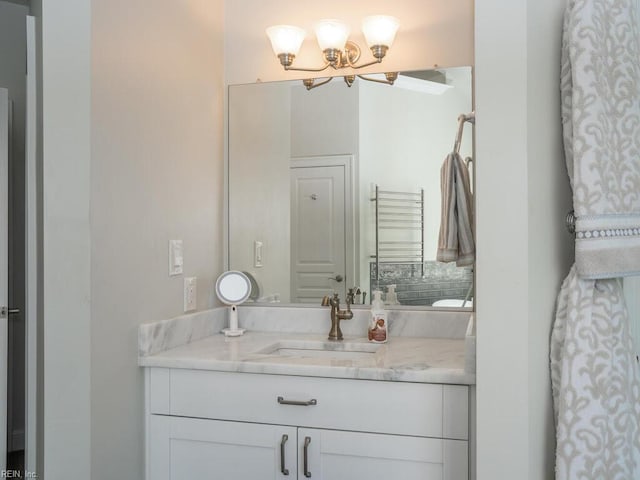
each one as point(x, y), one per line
point(378, 326)
point(391, 298)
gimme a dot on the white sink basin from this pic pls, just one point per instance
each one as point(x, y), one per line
point(313, 349)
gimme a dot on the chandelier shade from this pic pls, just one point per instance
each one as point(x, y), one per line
point(286, 39)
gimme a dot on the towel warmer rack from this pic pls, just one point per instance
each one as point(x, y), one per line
point(399, 233)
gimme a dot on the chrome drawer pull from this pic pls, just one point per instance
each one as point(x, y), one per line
point(307, 441)
point(282, 401)
point(284, 470)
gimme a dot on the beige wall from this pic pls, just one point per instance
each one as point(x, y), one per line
point(441, 34)
point(156, 174)
point(132, 120)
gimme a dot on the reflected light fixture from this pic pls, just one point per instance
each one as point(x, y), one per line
point(337, 50)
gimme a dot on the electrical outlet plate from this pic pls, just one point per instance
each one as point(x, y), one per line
point(190, 289)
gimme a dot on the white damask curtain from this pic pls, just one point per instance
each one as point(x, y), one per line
point(594, 372)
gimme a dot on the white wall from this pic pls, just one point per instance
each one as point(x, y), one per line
point(550, 244)
point(438, 35)
point(524, 252)
point(35, 427)
point(66, 278)
point(324, 121)
point(156, 174)
point(260, 144)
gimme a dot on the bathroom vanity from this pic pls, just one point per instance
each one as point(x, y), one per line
point(281, 401)
point(293, 405)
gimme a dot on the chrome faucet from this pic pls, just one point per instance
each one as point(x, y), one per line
point(336, 314)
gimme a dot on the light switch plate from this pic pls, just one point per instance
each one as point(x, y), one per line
point(190, 289)
point(175, 257)
point(257, 254)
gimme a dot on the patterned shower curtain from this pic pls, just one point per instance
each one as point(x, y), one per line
point(594, 371)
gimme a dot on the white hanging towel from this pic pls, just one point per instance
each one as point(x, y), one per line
point(455, 240)
point(601, 118)
point(594, 372)
point(596, 389)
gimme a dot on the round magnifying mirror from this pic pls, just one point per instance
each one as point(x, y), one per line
point(233, 288)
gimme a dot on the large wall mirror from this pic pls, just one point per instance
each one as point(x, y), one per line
point(339, 187)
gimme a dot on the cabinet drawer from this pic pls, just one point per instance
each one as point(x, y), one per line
point(359, 405)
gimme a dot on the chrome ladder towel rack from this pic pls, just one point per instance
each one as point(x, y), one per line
point(399, 233)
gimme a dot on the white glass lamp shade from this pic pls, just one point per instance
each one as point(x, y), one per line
point(331, 34)
point(286, 39)
point(380, 30)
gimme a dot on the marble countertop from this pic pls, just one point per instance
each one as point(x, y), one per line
point(403, 359)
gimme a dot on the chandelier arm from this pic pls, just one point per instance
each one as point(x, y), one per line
point(356, 67)
point(386, 82)
point(300, 69)
point(310, 86)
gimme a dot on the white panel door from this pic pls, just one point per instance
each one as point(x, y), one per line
point(4, 266)
point(183, 448)
point(318, 241)
point(335, 455)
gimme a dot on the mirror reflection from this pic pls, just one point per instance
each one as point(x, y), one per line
point(339, 187)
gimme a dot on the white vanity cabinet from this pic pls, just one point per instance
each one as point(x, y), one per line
point(194, 448)
point(338, 455)
point(208, 424)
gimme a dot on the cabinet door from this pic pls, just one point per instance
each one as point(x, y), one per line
point(335, 455)
point(181, 448)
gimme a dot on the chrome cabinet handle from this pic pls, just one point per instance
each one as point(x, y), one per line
point(284, 470)
point(307, 441)
point(282, 401)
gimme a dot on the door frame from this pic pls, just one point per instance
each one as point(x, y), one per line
point(5, 106)
point(351, 234)
point(32, 249)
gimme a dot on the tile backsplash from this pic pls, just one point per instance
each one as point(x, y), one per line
point(415, 287)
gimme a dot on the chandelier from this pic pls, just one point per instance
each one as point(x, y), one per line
point(338, 51)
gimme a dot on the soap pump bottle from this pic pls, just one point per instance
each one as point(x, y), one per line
point(391, 298)
point(378, 326)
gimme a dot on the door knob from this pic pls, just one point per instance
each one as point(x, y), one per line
point(338, 278)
